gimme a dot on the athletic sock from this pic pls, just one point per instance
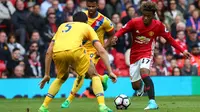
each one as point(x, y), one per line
point(98, 89)
point(53, 90)
point(149, 87)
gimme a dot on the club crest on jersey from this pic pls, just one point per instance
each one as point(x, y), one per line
point(151, 33)
point(142, 40)
point(137, 31)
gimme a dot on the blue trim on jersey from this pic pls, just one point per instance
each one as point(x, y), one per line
point(99, 24)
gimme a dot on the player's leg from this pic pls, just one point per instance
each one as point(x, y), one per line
point(98, 88)
point(145, 71)
point(80, 67)
point(62, 67)
point(76, 86)
point(104, 78)
point(135, 75)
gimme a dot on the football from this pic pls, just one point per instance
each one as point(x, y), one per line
point(122, 102)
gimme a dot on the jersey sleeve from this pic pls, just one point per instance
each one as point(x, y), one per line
point(166, 34)
point(108, 25)
point(126, 28)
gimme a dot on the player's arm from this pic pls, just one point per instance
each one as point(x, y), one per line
point(165, 34)
point(125, 29)
point(48, 59)
point(109, 28)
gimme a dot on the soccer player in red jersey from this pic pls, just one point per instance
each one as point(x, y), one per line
point(145, 30)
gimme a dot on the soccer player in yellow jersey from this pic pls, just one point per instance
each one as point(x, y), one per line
point(66, 50)
point(101, 25)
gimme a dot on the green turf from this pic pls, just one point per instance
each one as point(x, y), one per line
point(166, 104)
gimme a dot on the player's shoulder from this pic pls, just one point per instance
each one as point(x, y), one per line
point(157, 22)
point(136, 20)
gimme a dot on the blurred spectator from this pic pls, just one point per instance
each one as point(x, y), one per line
point(33, 66)
point(35, 21)
point(35, 37)
point(112, 7)
point(13, 44)
point(188, 69)
point(195, 60)
point(153, 72)
point(58, 12)
point(4, 50)
point(176, 71)
point(50, 28)
point(14, 61)
point(124, 42)
point(192, 40)
point(68, 10)
point(193, 23)
point(181, 27)
point(197, 4)
point(101, 7)
point(131, 13)
point(18, 72)
point(161, 69)
point(161, 10)
point(168, 58)
point(181, 40)
point(174, 25)
point(191, 8)
point(115, 19)
point(183, 7)
point(4, 75)
point(7, 9)
point(45, 5)
point(81, 7)
point(171, 14)
point(19, 21)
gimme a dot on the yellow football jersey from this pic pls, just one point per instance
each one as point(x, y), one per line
point(101, 25)
point(70, 36)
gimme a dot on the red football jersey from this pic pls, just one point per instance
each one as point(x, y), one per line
point(144, 37)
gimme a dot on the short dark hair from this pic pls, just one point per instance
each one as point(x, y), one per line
point(80, 17)
point(92, 1)
point(195, 46)
point(149, 6)
point(15, 49)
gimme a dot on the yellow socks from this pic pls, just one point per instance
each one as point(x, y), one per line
point(76, 86)
point(53, 90)
point(98, 89)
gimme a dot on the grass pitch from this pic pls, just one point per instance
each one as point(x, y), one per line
point(166, 104)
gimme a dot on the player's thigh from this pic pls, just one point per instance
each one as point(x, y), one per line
point(81, 62)
point(145, 64)
point(135, 72)
point(62, 65)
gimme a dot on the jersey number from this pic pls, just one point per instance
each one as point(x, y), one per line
point(68, 27)
point(146, 61)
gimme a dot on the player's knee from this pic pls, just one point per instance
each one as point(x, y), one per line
point(136, 85)
point(144, 71)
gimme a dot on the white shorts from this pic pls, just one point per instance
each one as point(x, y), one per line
point(135, 68)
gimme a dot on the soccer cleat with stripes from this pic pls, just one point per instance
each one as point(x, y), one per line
point(43, 109)
point(65, 104)
point(152, 105)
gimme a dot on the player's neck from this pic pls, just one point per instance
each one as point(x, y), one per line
point(93, 15)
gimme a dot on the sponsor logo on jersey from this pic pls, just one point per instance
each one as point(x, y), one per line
point(142, 40)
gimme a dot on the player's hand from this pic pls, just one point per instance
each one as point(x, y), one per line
point(45, 80)
point(113, 77)
point(187, 54)
point(114, 40)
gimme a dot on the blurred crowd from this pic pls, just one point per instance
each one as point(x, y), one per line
point(27, 26)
